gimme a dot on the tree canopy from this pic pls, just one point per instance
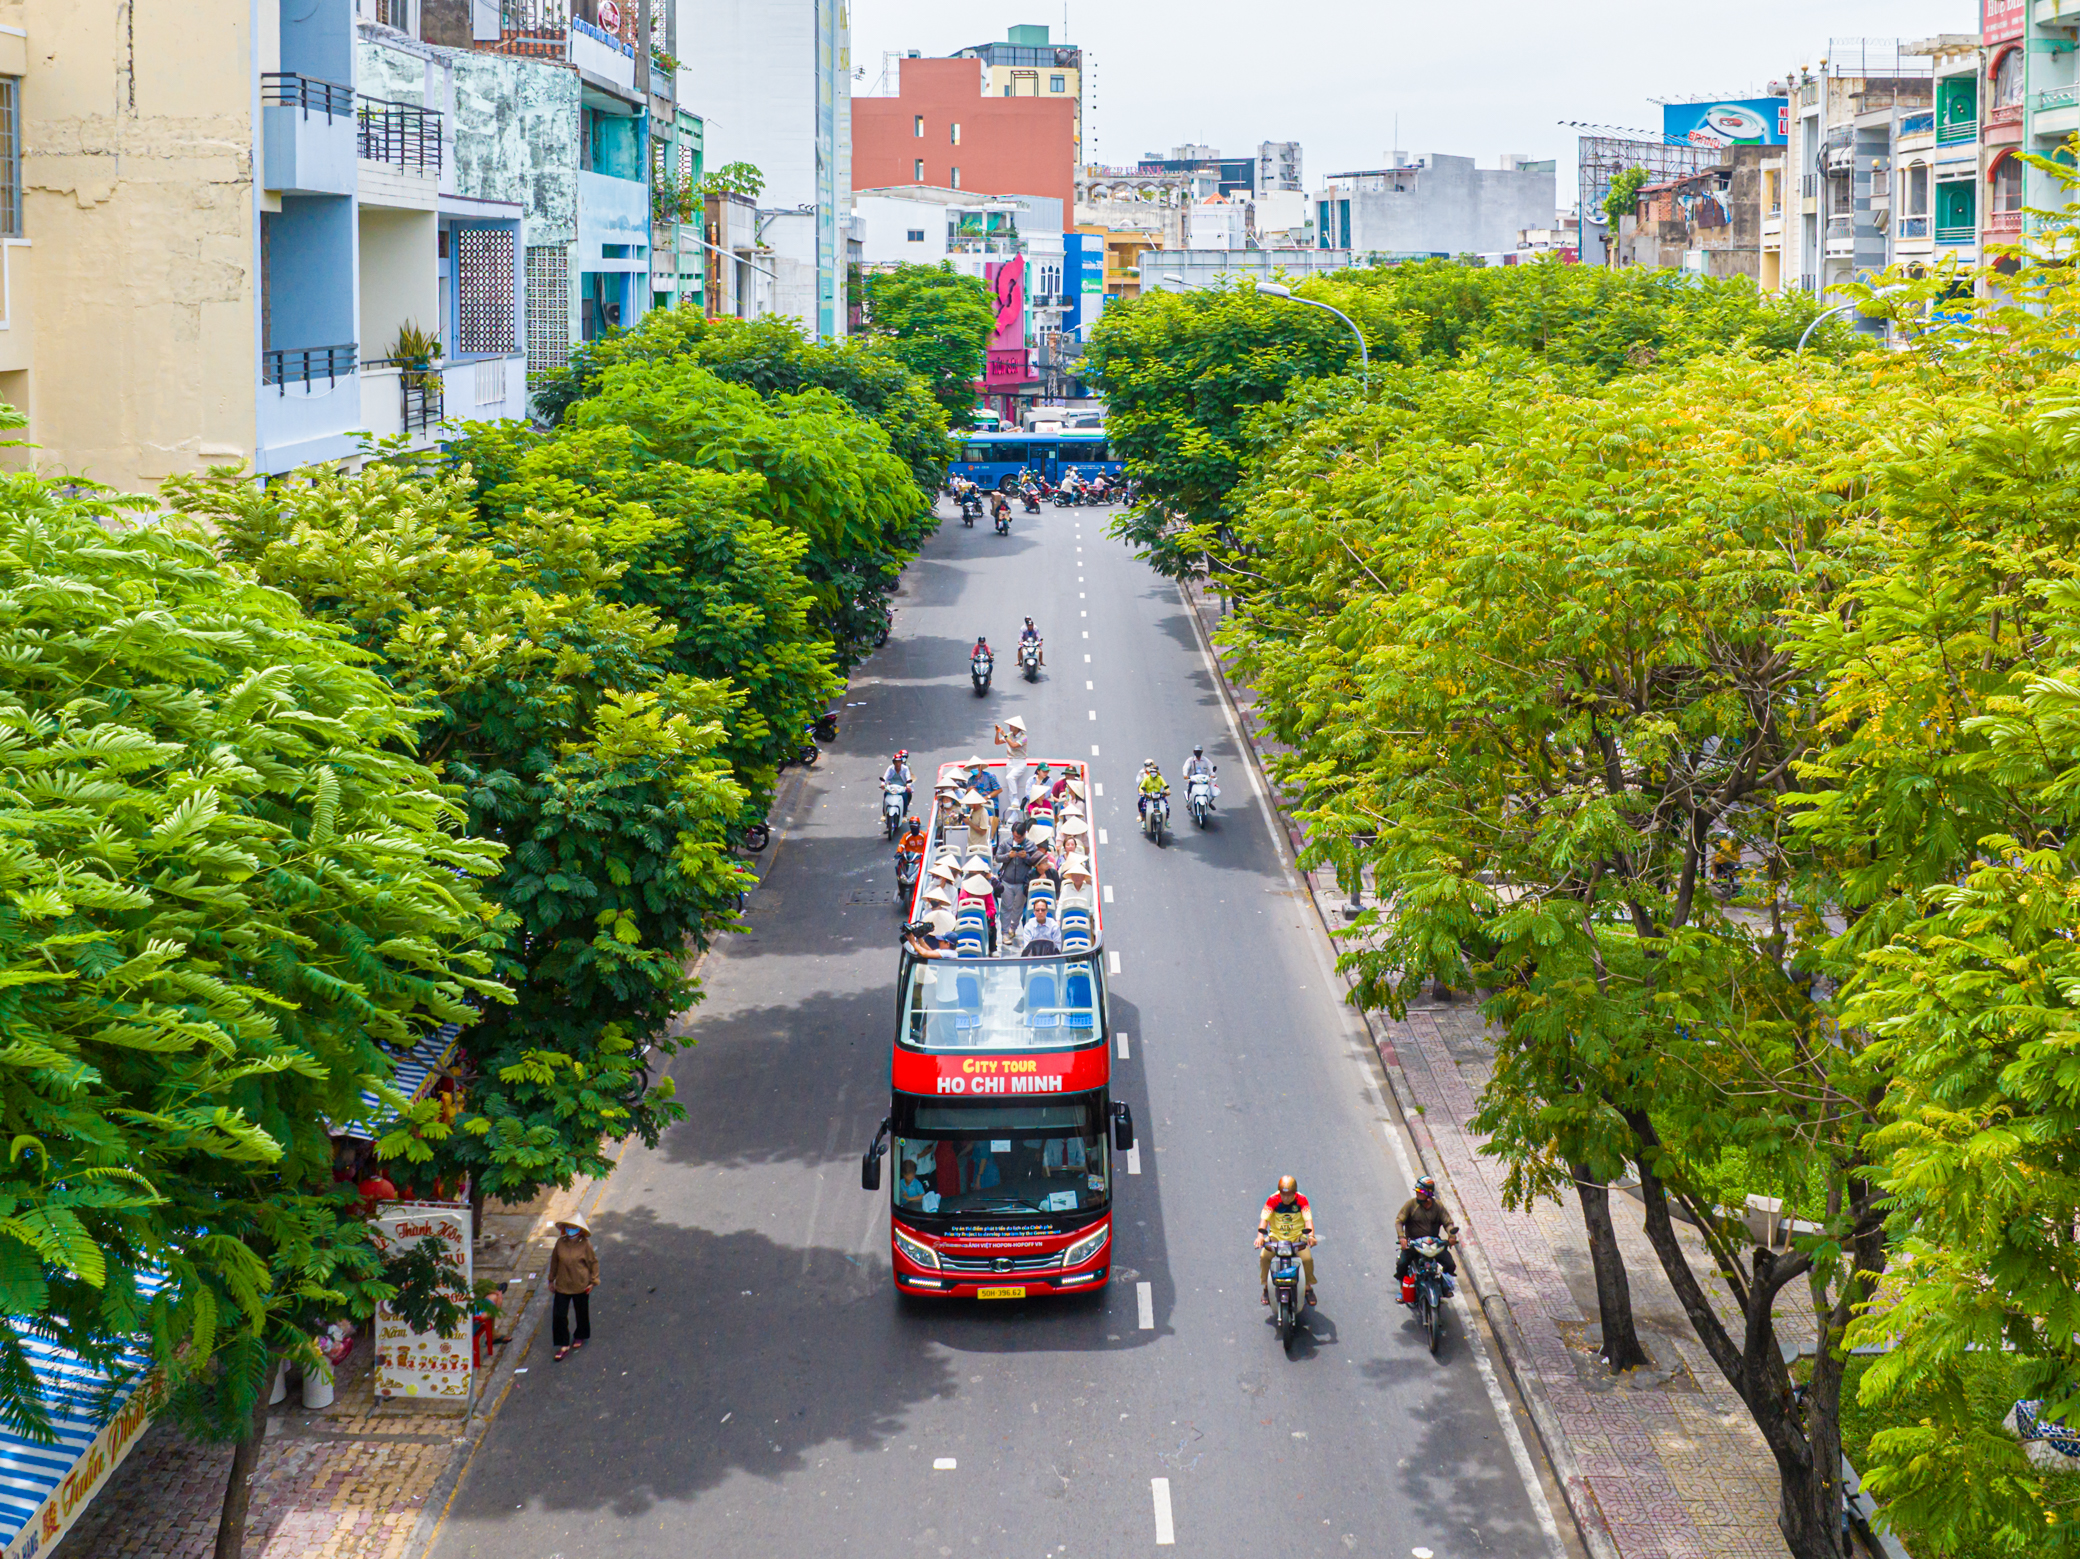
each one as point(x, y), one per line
point(938, 323)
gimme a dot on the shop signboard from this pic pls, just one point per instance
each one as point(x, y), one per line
point(1006, 362)
point(2002, 21)
point(53, 1518)
point(1755, 121)
point(410, 1363)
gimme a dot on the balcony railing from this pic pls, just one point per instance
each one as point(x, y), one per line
point(2004, 221)
point(1841, 226)
point(1956, 235)
point(2057, 97)
point(1957, 130)
point(287, 89)
point(422, 391)
point(1913, 227)
point(285, 366)
point(1917, 124)
point(401, 134)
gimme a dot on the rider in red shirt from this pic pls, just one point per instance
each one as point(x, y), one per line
point(1286, 1216)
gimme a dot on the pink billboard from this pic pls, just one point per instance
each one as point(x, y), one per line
point(2002, 20)
point(1007, 345)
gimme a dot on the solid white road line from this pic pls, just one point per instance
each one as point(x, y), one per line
point(1115, 962)
point(1134, 1159)
point(1145, 1305)
point(1123, 1044)
point(1166, 1532)
point(1108, 893)
point(1517, 1452)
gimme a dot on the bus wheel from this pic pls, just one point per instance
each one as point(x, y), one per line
point(1006, 482)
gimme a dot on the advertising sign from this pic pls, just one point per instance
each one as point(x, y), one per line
point(54, 1517)
point(1755, 121)
point(2001, 21)
point(1058, 1071)
point(423, 1364)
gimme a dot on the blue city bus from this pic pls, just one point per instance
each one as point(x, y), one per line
point(995, 459)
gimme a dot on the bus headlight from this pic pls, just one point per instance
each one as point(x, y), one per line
point(1076, 1255)
point(916, 1250)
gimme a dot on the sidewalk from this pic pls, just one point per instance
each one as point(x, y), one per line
point(1662, 1464)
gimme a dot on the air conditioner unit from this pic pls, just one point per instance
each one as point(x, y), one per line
point(1881, 217)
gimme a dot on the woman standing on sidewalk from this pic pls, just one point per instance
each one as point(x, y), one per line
point(573, 1274)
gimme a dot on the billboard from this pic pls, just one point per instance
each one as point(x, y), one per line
point(1006, 363)
point(1754, 121)
point(2001, 21)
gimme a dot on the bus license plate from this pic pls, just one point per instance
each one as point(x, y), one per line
point(1000, 1293)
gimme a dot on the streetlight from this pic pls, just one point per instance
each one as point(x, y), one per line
point(1839, 308)
point(1272, 289)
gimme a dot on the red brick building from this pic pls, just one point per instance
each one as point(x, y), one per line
point(942, 131)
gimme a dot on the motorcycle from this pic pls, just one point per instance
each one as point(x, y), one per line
point(1003, 522)
point(1199, 793)
point(1031, 500)
point(971, 509)
point(1029, 659)
point(1288, 1294)
point(895, 797)
point(979, 671)
point(906, 879)
point(1426, 1286)
point(824, 728)
point(1064, 498)
point(1155, 817)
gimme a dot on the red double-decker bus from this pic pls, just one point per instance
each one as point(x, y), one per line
point(1002, 1128)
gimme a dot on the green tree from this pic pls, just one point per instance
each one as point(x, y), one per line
point(1527, 650)
point(575, 748)
point(733, 178)
point(234, 895)
point(938, 323)
point(827, 474)
point(1623, 196)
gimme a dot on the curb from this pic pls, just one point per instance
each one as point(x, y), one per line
point(1581, 1498)
point(434, 1513)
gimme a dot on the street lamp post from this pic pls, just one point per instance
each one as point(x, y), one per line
point(1272, 289)
point(1818, 319)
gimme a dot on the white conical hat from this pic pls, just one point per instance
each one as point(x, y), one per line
point(938, 895)
point(974, 798)
point(978, 885)
point(1075, 825)
point(942, 921)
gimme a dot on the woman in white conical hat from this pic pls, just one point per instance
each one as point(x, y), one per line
point(1011, 736)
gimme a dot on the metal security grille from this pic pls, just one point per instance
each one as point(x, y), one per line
point(10, 158)
point(548, 309)
point(484, 279)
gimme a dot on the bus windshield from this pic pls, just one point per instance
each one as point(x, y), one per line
point(1021, 1004)
point(966, 1156)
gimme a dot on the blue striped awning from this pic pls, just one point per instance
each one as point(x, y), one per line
point(30, 1473)
point(410, 1074)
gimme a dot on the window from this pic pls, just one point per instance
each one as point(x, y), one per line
point(1007, 89)
point(2007, 81)
point(1057, 83)
point(954, 133)
point(917, 124)
point(956, 183)
point(10, 157)
point(1917, 190)
point(917, 172)
point(914, 235)
point(2007, 186)
point(548, 310)
point(484, 291)
point(1006, 1003)
point(1013, 1156)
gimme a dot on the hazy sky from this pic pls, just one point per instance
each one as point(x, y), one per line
point(1463, 76)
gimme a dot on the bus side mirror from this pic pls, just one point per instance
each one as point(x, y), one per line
point(1122, 1128)
point(870, 1161)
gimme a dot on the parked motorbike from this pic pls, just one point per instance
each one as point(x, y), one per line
point(895, 796)
point(1288, 1293)
point(1029, 659)
point(824, 728)
point(980, 669)
point(1199, 794)
point(1155, 817)
point(1426, 1286)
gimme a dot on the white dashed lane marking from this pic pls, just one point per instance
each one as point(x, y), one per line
point(1094, 714)
point(1114, 966)
point(1108, 893)
point(1166, 1531)
point(1102, 839)
point(1134, 1159)
point(943, 1464)
point(1145, 1305)
point(1123, 1044)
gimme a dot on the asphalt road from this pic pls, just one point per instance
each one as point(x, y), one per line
point(755, 1387)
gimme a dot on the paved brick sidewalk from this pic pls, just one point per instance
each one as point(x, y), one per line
point(1668, 1464)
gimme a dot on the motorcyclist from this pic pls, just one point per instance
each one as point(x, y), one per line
point(913, 844)
point(1286, 1216)
point(898, 772)
point(1423, 1215)
point(1152, 784)
point(999, 506)
point(1031, 635)
point(981, 651)
point(1197, 764)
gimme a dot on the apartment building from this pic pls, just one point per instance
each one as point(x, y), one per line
point(776, 92)
point(1026, 65)
point(944, 129)
point(1434, 205)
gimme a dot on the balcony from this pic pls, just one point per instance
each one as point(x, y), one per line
point(1957, 130)
point(2058, 13)
point(2003, 224)
point(285, 366)
point(400, 150)
point(307, 135)
point(1956, 235)
point(1912, 227)
point(309, 407)
point(1840, 238)
point(2054, 113)
point(546, 29)
point(1912, 125)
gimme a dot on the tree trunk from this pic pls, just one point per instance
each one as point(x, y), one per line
point(1621, 1349)
point(238, 1493)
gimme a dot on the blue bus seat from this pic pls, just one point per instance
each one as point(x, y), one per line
point(1040, 1013)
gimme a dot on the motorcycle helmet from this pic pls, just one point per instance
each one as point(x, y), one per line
point(1426, 1188)
point(1198, 751)
point(1288, 1185)
point(913, 824)
point(902, 755)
